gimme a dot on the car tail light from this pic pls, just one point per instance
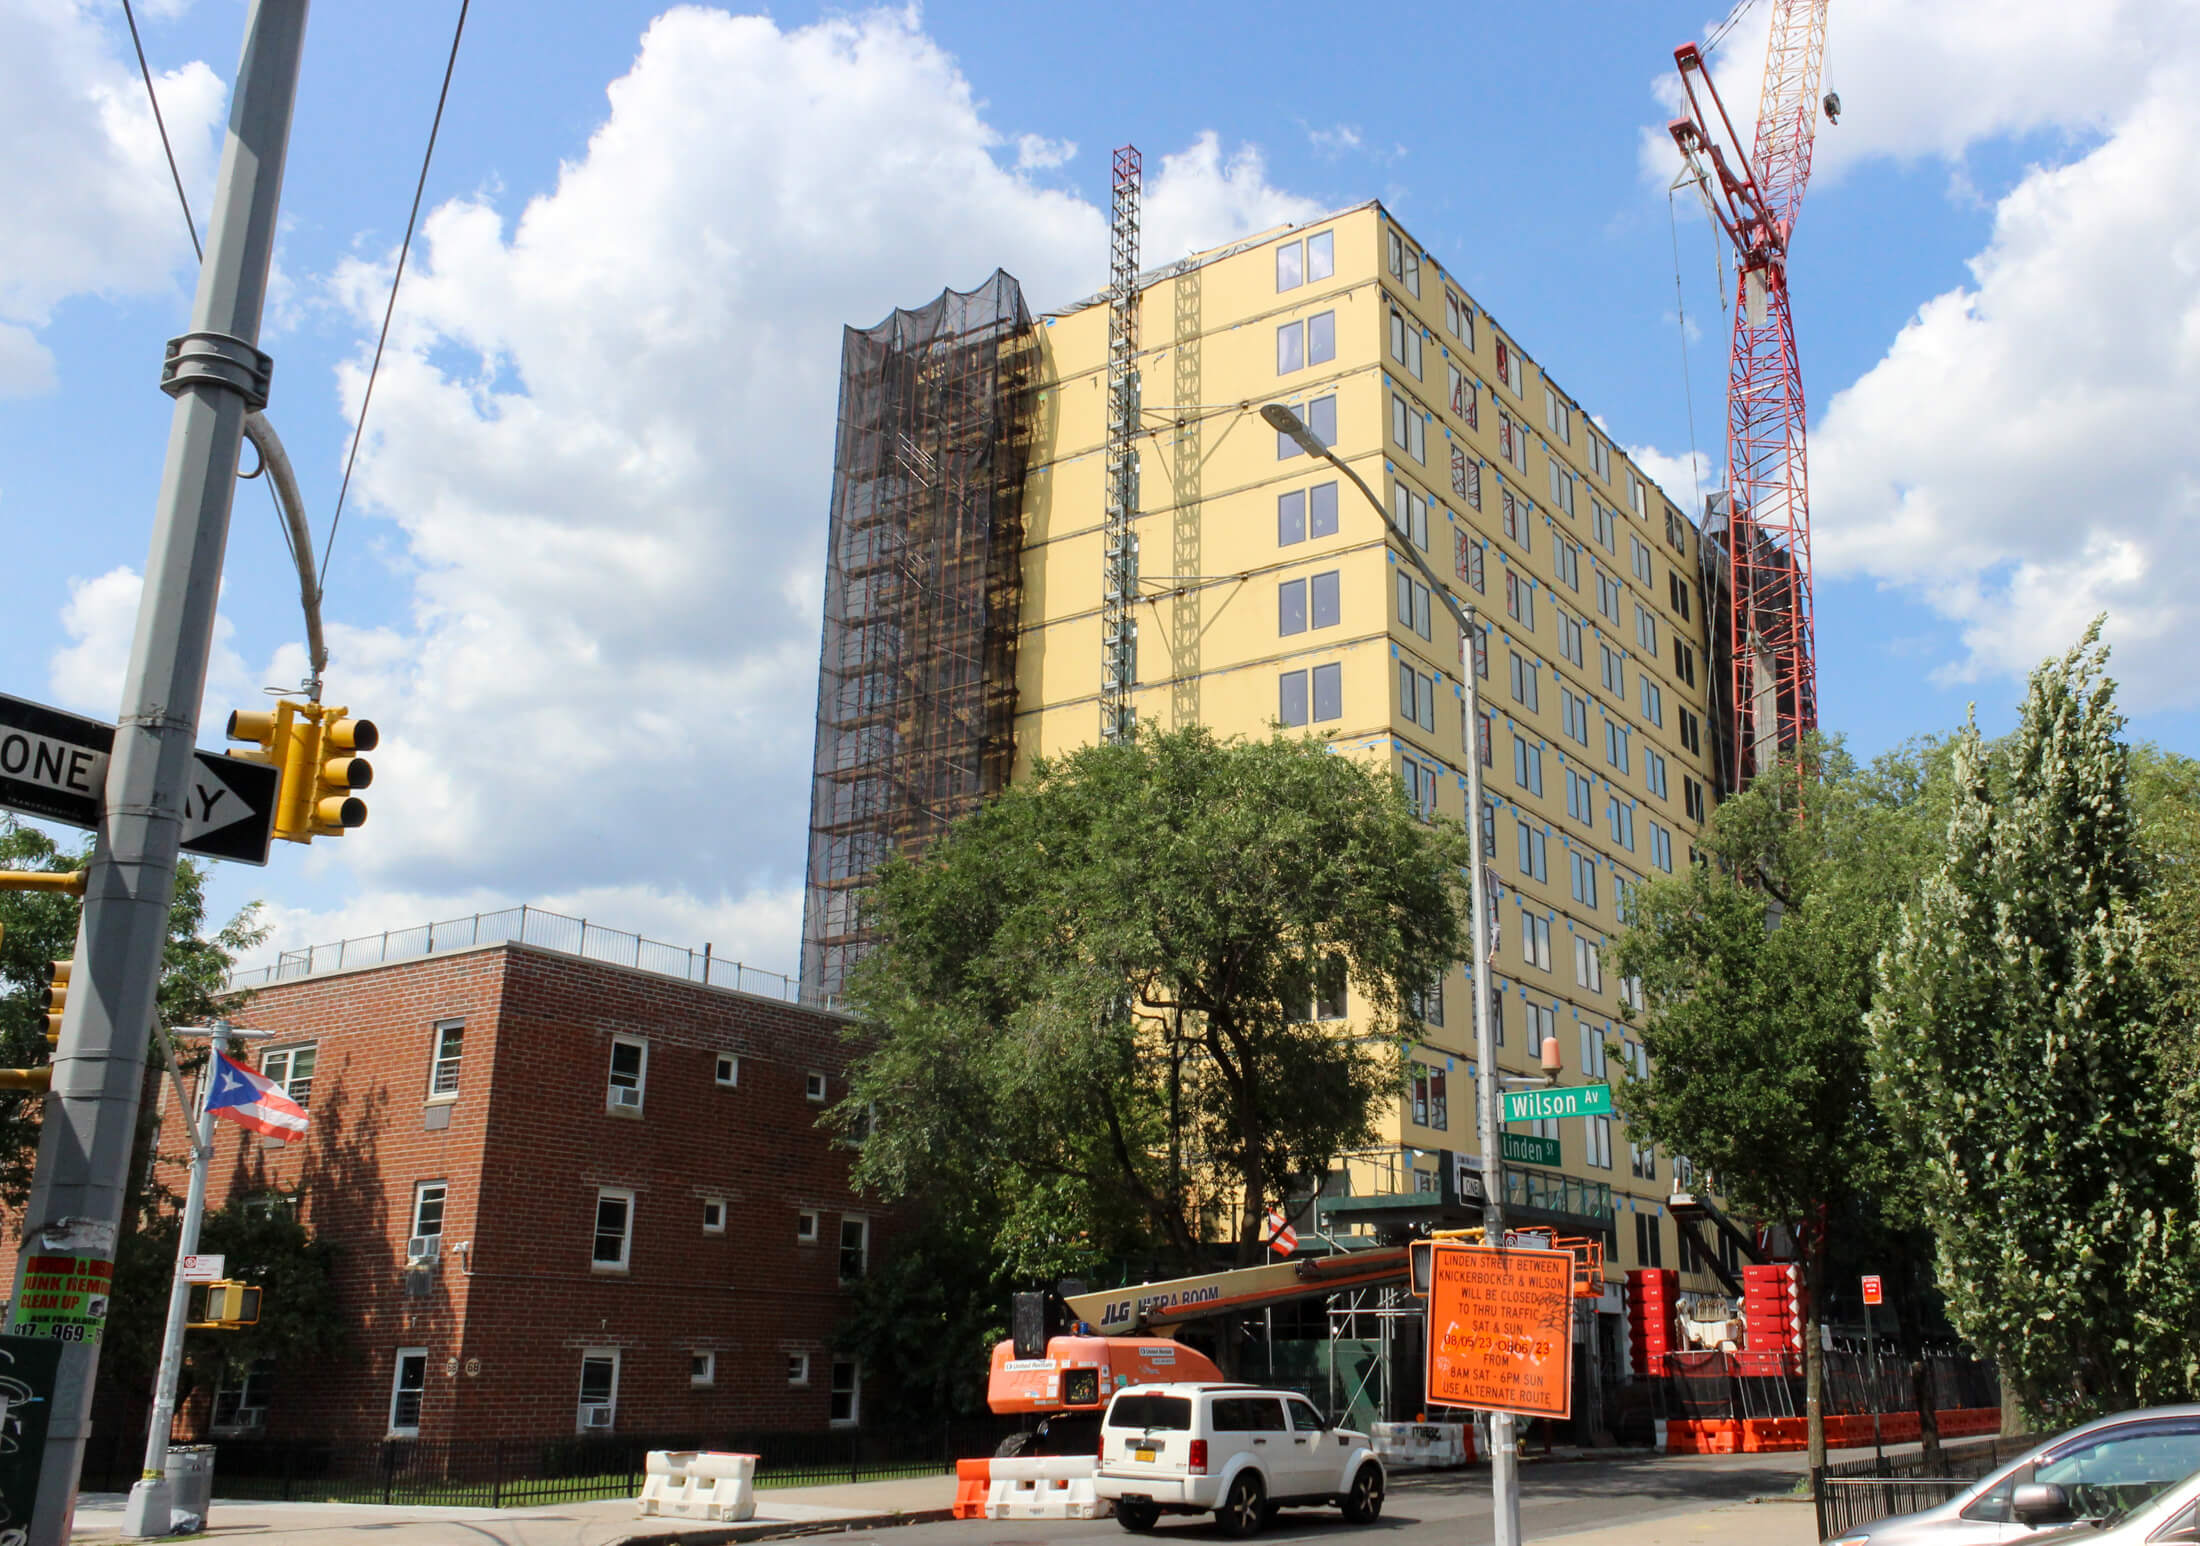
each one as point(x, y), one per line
point(1199, 1457)
point(1102, 1452)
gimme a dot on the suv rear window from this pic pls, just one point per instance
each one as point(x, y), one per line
point(1173, 1413)
point(1248, 1414)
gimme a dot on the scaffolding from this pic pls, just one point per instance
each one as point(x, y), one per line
point(1759, 708)
point(916, 680)
point(1118, 630)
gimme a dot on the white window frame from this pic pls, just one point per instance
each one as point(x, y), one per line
point(1569, 637)
point(814, 1087)
point(439, 1060)
point(727, 1073)
point(615, 1094)
point(581, 1403)
point(398, 1430)
point(1589, 974)
point(1600, 456)
point(243, 1375)
point(798, 1370)
point(626, 1235)
point(1407, 428)
point(298, 1088)
point(709, 1203)
point(863, 1247)
point(1639, 555)
point(1405, 341)
point(806, 1226)
point(421, 1189)
point(1597, 1140)
point(854, 1392)
point(706, 1377)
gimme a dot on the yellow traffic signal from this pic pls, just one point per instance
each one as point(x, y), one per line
point(57, 1000)
point(312, 746)
point(225, 1305)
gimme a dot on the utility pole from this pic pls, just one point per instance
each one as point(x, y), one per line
point(1504, 1460)
point(217, 374)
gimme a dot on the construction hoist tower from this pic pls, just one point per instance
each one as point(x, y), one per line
point(1118, 630)
point(1766, 664)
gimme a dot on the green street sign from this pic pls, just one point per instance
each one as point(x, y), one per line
point(1526, 1149)
point(1580, 1100)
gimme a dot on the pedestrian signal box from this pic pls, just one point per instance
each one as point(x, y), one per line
point(224, 1305)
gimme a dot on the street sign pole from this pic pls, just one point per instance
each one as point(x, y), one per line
point(1871, 1297)
point(217, 375)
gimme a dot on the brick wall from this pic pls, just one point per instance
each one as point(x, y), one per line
point(523, 1150)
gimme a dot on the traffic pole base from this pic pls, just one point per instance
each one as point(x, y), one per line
point(147, 1513)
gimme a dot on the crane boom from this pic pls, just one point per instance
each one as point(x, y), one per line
point(1767, 661)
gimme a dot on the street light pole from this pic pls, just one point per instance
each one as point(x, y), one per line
point(1504, 1460)
point(217, 375)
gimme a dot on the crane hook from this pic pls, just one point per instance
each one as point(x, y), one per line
point(1832, 106)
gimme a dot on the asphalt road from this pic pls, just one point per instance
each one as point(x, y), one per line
point(1556, 1498)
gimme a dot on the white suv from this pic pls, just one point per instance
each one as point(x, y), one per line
point(1237, 1451)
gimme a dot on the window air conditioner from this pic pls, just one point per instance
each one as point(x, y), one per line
point(596, 1415)
point(626, 1099)
point(422, 1249)
point(250, 1417)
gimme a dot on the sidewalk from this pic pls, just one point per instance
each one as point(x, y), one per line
point(1785, 1522)
point(604, 1523)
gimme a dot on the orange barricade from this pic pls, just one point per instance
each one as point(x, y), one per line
point(972, 1480)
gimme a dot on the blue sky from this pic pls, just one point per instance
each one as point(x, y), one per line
point(577, 582)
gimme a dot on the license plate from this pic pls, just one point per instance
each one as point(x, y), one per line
point(1141, 1452)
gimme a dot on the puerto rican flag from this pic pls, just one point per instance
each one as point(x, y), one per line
point(254, 1101)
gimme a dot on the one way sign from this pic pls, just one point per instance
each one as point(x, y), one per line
point(54, 764)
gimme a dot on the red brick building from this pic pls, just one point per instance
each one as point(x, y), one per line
point(569, 1196)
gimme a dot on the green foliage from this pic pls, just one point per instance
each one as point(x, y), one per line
point(1090, 1007)
point(300, 1328)
point(41, 928)
point(2017, 1045)
point(926, 1318)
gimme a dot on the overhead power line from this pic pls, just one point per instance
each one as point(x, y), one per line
point(153, 97)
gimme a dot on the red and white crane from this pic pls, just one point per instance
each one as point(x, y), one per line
point(1769, 666)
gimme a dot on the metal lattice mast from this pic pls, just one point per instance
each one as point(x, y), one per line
point(1118, 632)
point(1772, 657)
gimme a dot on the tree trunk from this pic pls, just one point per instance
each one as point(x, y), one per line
point(1928, 1418)
point(1813, 1241)
point(2012, 1410)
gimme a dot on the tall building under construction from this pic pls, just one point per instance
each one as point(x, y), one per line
point(1044, 528)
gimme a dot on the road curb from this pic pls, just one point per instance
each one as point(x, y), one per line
point(787, 1529)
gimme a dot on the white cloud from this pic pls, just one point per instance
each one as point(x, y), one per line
point(100, 618)
point(90, 207)
point(2023, 457)
point(1037, 153)
point(1333, 142)
point(604, 431)
point(1683, 475)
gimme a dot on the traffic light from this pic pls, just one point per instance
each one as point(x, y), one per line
point(312, 746)
point(224, 1305)
point(56, 999)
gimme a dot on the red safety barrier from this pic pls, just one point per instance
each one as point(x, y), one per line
point(1848, 1430)
point(973, 1478)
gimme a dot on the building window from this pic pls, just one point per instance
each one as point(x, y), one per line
point(1431, 1107)
point(1602, 524)
point(240, 1397)
point(798, 1368)
point(1569, 637)
point(1646, 629)
point(1597, 1139)
point(1311, 342)
point(1589, 974)
point(1291, 702)
point(1324, 599)
point(1573, 715)
point(813, 1087)
point(729, 1069)
point(1405, 263)
point(614, 1229)
point(599, 1390)
point(1542, 1025)
point(1409, 513)
point(1692, 798)
point(1290, 607)
point(1677, 592)
point(629, 1068)
point(1653, 703)
point(1692, 734)
point(1466, 478)
point(1420, 782)
point(1562, 487)
point(1600, 456)
point(805, 1226)
point(1465, 403)
point(450, 1037)
point(1583, 876)
point(1296, 706)
point(1331, 999)
point(427, 1217)
point(1608, 591)
point(702, 1370)
point(1635, 498)
point(1535, 941)
point(1580, 797)
point(1508, 368)
point(1568, 559)
point(1623, 823)
point(1321, 418)
point(1405, 342)
point(1407, 428)
point(1527, 765)
point(847, 1393)
point(1640, 552)
point(1307, 512)
point(1459, 318)
point(408, 1388)
point(1524, 684)
point(714, 1215)
point(1520, 599)
point(1416, 697)
point(292, 1068)
point(1684, 662)
point(1616, 740)
point(1661, 848)
point(1512, 442)
point(1481, 652)
point(855, 1248)
point(1427, 1004)
point(1413, 604)
point(1466, 557)
point(1653, 772)
point(1615, 673)
point(1534, 853)
point(1676, 531)
point(1646, 1240)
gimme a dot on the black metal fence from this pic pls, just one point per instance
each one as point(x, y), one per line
point(1707, 1385)
point(516, 1473)
point(1857, 1492)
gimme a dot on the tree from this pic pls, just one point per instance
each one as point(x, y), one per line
point(2018, 1040)
point(1096, 997)
point(40, 928)
point(1756, 970)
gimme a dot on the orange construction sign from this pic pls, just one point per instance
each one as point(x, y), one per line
point(1500, 1329)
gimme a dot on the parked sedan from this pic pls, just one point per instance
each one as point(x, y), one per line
point(2171, 1515)
point(2103, 1470)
